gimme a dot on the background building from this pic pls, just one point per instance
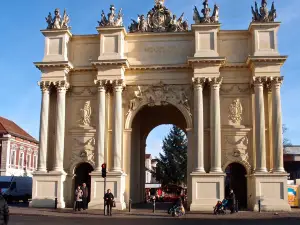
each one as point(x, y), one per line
point(292, 161)
point(150, 165)
point(18, 150)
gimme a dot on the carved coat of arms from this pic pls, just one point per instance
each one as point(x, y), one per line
point(235, 111)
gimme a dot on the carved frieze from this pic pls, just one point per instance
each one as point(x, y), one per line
point(83, 91)
point(235, 89)
point(160, 94)
point(82, 151)
point(235, 111)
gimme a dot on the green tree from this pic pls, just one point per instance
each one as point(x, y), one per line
point(172, 163)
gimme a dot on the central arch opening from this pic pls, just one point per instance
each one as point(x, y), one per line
point(147, 119)
point(82, 175)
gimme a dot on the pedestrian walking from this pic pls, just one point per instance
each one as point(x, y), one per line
point(4, 212)
point(109, 201)
point(78, 198)
point(231, 201)
point(85, 196)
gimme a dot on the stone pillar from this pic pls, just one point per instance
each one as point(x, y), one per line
point(118, 86)
point(62, 87)
point(198, 125)
point(215, 124)
point(101, 123)
point(44, 119)
point(277, 126)
point(260, 139)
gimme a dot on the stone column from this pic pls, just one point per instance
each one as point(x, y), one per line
point(118, 86)
point(198, 125)
point(101, 122)
point(62, 87)
point(44, 119)
point(215, 124)
point(260, 137)
point(277, 126)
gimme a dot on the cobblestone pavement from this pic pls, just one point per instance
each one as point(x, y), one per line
point(24, 216)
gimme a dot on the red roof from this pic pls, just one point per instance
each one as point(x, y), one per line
point(148, 156)
point(9, 127)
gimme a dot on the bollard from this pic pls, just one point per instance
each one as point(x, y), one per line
point(237, 206)
point(130, 202)
point(55, 203)
point(153, 205)
point(259, 206)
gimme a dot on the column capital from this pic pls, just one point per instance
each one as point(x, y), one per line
point(215, 82)
point(62, 86)
point(102, 84)
point(259, 81)
point(277, 82)
point(45, 86)
point(118, 85)
point(199, 82)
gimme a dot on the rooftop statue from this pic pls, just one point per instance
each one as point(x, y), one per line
point(58, 22)
point(158, 19)
point(206, 14)
point(112, 19)
point(263, 14)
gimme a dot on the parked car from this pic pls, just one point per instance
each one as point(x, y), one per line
point(16, 188)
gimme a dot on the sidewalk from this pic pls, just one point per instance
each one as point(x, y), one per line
point(142, 213)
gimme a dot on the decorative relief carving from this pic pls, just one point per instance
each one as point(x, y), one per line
point(234, 87)
point(111, 19)
point(236, 150)
point(235, 111)
point(86, 91)
point(57, 22)
point(263, 14)
point(86, 113)
point(62, 86)
point(159, 19)
point(206, 14)
point(83, 151)
point(215, 82)
point(45, 86)
point(160, 94)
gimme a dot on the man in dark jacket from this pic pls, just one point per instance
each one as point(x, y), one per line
point(231, 201)
point(85, 196)
point(109, 200)
point(4, 212)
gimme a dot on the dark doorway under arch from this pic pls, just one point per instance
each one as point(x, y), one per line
point(237, 181)
point(82, 173)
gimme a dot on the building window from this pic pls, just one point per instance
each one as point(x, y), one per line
point(28, 161)
point(13, 158)
point(35, 161)
point(21, 160)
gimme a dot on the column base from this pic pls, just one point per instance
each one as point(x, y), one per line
point(46, 187)
point(207, 189)
point(115, 181)
point(271, 190)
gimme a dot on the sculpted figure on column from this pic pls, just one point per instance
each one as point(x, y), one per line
point(260, 124)
point(101, 122)
point(215, 124)
point(277, 125)
point(199, 83)
point(62, 87)
point(44, 118)
point(118, 86)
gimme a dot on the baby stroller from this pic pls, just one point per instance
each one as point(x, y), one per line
point(177, 211)
point(220, 207)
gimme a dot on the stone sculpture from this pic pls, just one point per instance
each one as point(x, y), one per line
point(112, 20)
point(263, 14)
point(206, 14)
point(159, 19)
point(58, 22)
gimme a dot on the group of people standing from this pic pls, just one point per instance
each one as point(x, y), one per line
point(81, 197)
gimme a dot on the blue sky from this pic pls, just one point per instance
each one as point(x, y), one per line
point(22, 44)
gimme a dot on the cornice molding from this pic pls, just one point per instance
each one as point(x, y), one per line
point(160, 67)
point(60, 64)
point(111, 62)
point(266, 60)
point(216, 61)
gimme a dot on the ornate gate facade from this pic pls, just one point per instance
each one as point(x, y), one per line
point(222, 87)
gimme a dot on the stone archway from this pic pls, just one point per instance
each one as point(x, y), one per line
point(82, 175)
